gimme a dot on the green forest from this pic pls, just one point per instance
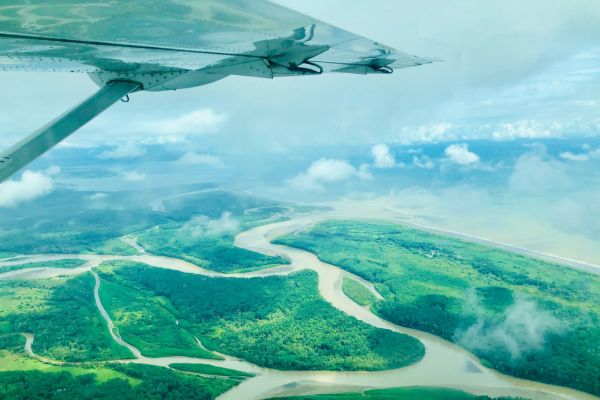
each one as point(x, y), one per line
point(62, 315)
point(523, 316)
point(152, 383)
point(148, 322)
point(211, 251)
point(23, 378)
point(277, 322)
point(67, 222)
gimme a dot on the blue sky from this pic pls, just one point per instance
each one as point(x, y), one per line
point(508, 122)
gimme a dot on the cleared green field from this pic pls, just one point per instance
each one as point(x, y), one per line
point(115, 247)
point(206, 369)
point(520, 315)
point(358, 292)
point(278, 322)
point(62, 315)
point(48, 264)
point(411, 393)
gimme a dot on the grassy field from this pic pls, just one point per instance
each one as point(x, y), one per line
point(358, 292)
point(115, 247)
point(520, 315)
point(278, 322)
point(62, 315)
point(206, 369)
point(47, 264)
point(410, 393)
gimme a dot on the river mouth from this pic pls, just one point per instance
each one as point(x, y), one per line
point(444, 364)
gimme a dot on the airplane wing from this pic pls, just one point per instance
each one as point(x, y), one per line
point(174, 44)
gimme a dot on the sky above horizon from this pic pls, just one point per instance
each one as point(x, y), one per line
point(509, 121)
point(509, 70)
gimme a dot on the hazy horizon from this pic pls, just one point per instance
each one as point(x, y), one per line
point(507, 124)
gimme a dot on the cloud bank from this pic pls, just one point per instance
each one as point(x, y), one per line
point(134, 176)
point(202, 226)
point(128, 149)
point(327, 171)
point(523, 327)
point(32, 185)
point(198, 122)
point(193, 158)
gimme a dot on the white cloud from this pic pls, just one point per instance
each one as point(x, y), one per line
point(159, 127)
point(502, 131)
point(460, 154)
point(431, 133)
point(125, 150)
point(581, 157)
point(31, 186)
point(523, 129)
point(423, 162)
point(193, 158)
point(201, 226)
point(98, 196)
point(523, 328)
point(134, 176)
point(325, 171)
point(197, 122)
point(382, 157)
point(567, 155)
point(52, 171)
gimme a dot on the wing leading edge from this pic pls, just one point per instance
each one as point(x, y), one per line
point(232, 37)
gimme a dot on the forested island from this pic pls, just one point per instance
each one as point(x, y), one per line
point(522, 316)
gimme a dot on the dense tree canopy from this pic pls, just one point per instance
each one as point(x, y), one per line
point(278, 322)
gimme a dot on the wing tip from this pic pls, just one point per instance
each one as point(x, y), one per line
point(430, 60)
point(414, 61)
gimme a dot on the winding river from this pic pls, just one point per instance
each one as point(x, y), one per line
point(444, 364)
